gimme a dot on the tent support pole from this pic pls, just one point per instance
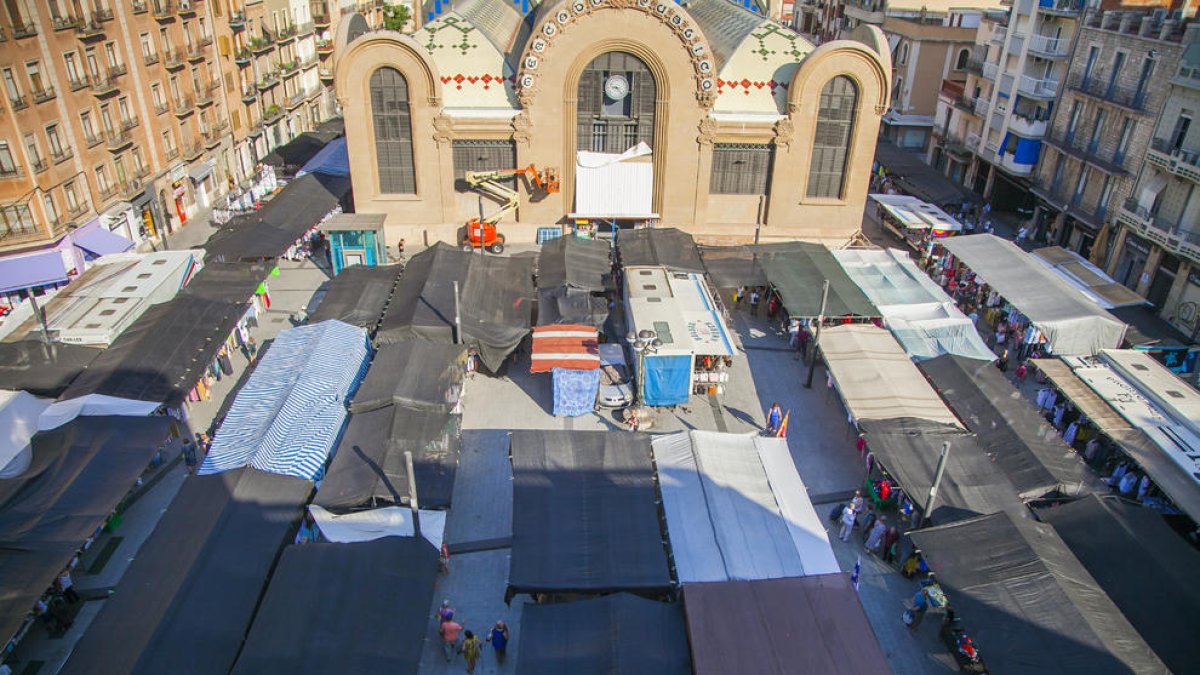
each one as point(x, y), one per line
point(37, 310)
point(457, 318)
point(937, 482)
point(812, 361)
point(412, 493)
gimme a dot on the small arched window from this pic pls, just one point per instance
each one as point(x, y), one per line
point(831, 140)
point(393, 132)
point(963, 56)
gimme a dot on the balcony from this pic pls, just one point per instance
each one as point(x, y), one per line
point(39, 165)
point(171, 152)
point(173, 58)
point(187, 8)
point(44, 94)
point(243, 58)
point(102, 14)
point(161, 107)
point(184, 106)
point(1068, 145)
point(296, 100)
point(204, 98)
point(103, 86)
point(289, 67)
point(1048, 47)
point(320, 17)
point(108, 190)
point(117, 70)
point(195, 52)
point(11, 172)
point(324, 46)
point(1044, 89)
point(286, 35)
point(1179, 161)
point(211, 138)
point(118, 140)
point(261, 45)
point(309, 62)
point(18, 102)
point(129, 122)
point(1133, 100)
point(151, 58)
point(89, 30)
point(326, 74)
point(206, 40)
point(193, 150)
point(92, 139)
point(237, 21)
point(268, 81)
point(1060, 7)
point(78, 210)
point(132, 188)
point(990, 71)
point(272, 114)
point(249, 94)
point(139, 6)
point(23, 30)
point(1071, 204)
point(163, 10)
point(1027, 126)
point(1166, 233)
point(62, 155)
point(65, 22)
point(305, 29)
point(998, 34)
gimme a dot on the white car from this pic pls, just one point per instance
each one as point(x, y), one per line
point(616, 391)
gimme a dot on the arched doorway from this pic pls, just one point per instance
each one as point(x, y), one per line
point(616, 101)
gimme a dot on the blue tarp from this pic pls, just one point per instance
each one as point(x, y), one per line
point(290, 413)
point(332, 160)
point(668, 379)
point(575, 391)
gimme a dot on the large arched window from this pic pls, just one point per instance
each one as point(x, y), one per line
point(616, 104)
point(393, 132)
point(831, 141)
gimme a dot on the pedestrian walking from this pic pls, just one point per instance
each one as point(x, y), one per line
point(848, 517)
point(856, 504)
point(875, 538)
point(190, 459)
point(471, 649)
point(754, 300)
point(444, 559)
point(449, 631)
point(250, 349)
point(774, 419)
point(445, 612)
point(499, 639)
point(868, 522)
point(67, 587)
point(891, 540)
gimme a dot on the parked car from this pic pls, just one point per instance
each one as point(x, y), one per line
point(616, 391)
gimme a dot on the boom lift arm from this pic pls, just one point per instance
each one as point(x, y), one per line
point(481, 232)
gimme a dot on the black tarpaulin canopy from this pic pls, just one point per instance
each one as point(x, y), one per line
point(659, 246)
point(234, 282)
point(162, 354)
point(585, 514)
point(619, 633)
point(295, 153)
point(186, 601)
point(344, 608)
point(811, 625)
point(369, 468)
point(1144, 566)
point(1027, 449)
point(564, 304)
point(495, 301)
point(78, 473)
point(1028, 604)
point(358, 296)
point(732, 266)
point(909, 449)
point(578, 263)
point(268, 232)
point(412, 373)
point(799, 274)
point(1147, 328)
point(41, 369)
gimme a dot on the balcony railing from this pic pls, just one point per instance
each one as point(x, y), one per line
point(108, 190)
point(243, 57)
point(77, 210)
point(325, 74)
point(161, 107)
point(151, 58)
point(1178, 160)
point(39, 165)
point(324, 46)
point(1046, 46)
point(86, 30)
point(187, 8)
point(268, 80)
point(183, 106)
point(286, 34)
point(320, 14)
point(65, 22)
point(193, 150)
point(195, 51)
point(173, 58)
point(92, 139)
point(204, 98)
point(118, 70)
point(990, 71)
point(1130, 99)
point(1070, 145)
point(1037, 88)
point(129, 122)
point(102, 14)
point(237, 21)
point(249, 93)
point(44, 94)
point(171, 152)
point(62, 154)
point(139, 6)
point(164, 9)
point(18, 102)
point(24, 30)
point(11, 171)
point(261, 45)
point(1061, 7)
point(103, 86)
point(118, 139)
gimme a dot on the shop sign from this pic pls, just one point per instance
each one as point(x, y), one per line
point(1138, 244)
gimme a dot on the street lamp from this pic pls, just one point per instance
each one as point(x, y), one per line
point(645, 342)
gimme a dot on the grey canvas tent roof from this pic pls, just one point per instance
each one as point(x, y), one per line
point(268, 232)
point(619, 633)
point(344, 608)
point(1072, 324)
point(232, 282)
point(1028, 603)
point(186, 601)
point(358, 296)
point(40, 369)
point(1143, 565)
point(585, 517)
point(659, 246)
point(916, 177)
point(296, 152)
point(799, 274)
point(1024, 446)
point(732, 266)
point(565, 304)
point(578, 263)
point(78, 473)
point(495, 301)
point(412, 373)
point(811, 625)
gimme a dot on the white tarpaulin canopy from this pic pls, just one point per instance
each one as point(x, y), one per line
point(389, 521)
point(736, 509)
point(876, 378)
point(915, 214)
point(19, 411)
point(93, 405)
point(1073, 326)
point(916, 310)
point(609, 185)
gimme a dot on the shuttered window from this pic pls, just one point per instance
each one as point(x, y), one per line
point(831, 142)
point(612, 125)
point(484, 156)
point(393, 132)
point(740, 169)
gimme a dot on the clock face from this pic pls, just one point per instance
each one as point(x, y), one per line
point(616, 87)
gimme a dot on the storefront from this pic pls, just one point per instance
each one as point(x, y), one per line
point(182, 204)
point(1134, 253)
point(201, 177)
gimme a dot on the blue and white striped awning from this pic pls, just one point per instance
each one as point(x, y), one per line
point(289, 414)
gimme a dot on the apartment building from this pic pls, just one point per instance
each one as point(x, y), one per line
point(1156, 246)
point(826, 20)
point(1102, 125)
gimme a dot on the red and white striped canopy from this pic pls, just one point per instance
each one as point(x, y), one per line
point(564, 346)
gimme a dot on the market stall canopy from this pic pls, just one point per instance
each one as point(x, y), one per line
point(615, 185)
point(564, 304)
point(344, 608)
point(19, 413)
point(1072, 324)
point(799, 275)
point(35, 270)
point(188, 597)
point(331, 160)
point(564, 346)
point(369, 467)
point(495, 301)
point(889, 277)
point(619, 633)
point(813, 625)
point(1024, 446)
point(298, 151)
point(1147, 328)
point(732, 266)
point(876, 378)
point(1028, 604)
point(270, 231)
point(578, 263)
point(372, 524)
point(290, 412)
point(1172, 477)
point(100, 241)
point(659, 246)
point(1144, 566)
point(76, 476)
point(358, 296)
point(737, 509)
point(234, 282)
point(914, 214)
point(1093, 282)
point(412, 373)
point(972, 484)
point(585, 517)
point(164, 353)
point(915, 176)
point(41, 369)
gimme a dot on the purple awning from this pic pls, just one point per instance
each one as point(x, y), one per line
point(31, 271)
point(98, 241)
